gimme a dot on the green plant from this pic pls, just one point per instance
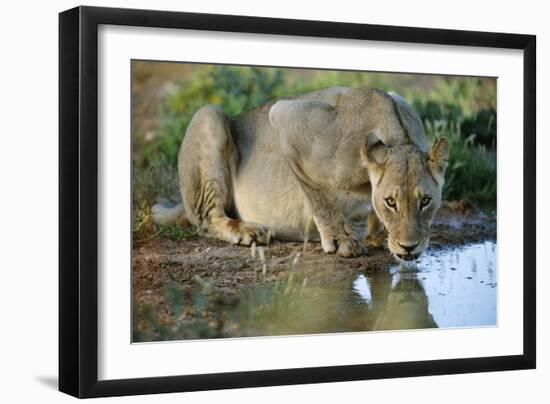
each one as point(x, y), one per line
point(470, 174)
point(468, 103)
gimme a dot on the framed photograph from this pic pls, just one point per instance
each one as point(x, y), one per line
point(251, 201)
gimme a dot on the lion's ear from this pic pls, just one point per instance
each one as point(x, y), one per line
point(438, 158)
point(374, 151)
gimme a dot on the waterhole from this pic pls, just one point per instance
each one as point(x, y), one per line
point(444, 288)
point(448, 288)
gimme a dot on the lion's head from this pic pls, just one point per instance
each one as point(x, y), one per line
point(406, 191)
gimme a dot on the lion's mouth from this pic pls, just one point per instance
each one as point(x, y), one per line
point(408, 257)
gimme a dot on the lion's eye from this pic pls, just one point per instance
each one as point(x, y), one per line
point(390, 202)
point(425, 201)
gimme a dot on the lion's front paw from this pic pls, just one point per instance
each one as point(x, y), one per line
point(329, 245)
point(344, 245)
point(349, 246)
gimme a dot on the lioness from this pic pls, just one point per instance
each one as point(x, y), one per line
point(328, 156)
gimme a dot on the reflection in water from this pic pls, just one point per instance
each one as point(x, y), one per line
point(454, 288)
point(406, 306)
point(444, 289)
point(449, 288)
point(398, 305)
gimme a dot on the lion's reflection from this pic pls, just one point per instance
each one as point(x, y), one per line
point(396, 300)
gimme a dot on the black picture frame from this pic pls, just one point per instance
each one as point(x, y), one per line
point(78, 201)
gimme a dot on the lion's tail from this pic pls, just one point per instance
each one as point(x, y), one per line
point(164, 213)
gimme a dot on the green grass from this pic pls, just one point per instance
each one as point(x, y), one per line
point(461, 108)
point(143, 227)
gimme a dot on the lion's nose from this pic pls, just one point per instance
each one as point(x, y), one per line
point(408, 248)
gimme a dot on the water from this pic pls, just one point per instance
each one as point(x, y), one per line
point(456, 288)
point(445, 288)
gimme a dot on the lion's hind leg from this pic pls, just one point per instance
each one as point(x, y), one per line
point(237, 231)
point(207, 163)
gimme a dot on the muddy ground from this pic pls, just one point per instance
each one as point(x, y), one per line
point(231, 269)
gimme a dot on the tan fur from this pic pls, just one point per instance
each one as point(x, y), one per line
point(321, 157)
